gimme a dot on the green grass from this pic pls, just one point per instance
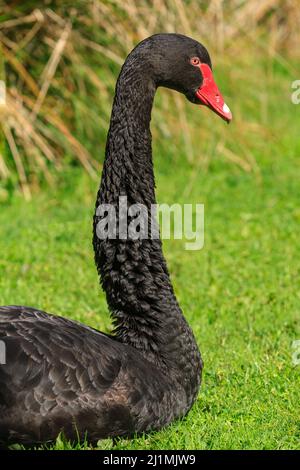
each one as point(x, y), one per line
point(240, 293)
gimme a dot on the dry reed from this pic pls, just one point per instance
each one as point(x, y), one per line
point(60, 63)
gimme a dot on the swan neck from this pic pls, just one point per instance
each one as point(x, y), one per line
point(133, 273)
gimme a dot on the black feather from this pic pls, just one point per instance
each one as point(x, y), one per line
point(63, 376)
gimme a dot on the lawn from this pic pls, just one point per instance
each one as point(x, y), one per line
point(240, 293)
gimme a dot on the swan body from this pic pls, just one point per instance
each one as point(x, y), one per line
point(62, 376)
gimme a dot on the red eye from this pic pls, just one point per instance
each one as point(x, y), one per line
point(195, 61)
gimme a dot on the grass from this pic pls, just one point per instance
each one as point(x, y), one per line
point(240, 293)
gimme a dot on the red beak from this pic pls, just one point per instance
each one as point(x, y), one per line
point(210, 96)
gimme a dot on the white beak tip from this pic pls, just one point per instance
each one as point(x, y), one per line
point(226, 108)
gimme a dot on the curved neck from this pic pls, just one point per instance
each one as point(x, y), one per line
point(133, 273)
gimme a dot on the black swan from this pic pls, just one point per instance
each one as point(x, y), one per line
point(60, 375)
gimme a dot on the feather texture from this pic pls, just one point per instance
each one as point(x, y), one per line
point(64, 376)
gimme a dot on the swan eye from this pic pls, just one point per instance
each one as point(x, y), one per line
point(195, 61)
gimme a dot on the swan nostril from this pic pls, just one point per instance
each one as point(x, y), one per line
point(218, 97)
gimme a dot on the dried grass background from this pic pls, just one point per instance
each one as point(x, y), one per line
point(60, 60)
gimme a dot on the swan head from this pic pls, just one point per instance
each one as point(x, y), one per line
point(182, 64)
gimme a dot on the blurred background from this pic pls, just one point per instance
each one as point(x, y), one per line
point(60, 61)
point(240, 293)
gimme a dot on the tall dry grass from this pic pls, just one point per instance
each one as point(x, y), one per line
point(59, 61)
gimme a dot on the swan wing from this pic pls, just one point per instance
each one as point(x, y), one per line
point(56, 371)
